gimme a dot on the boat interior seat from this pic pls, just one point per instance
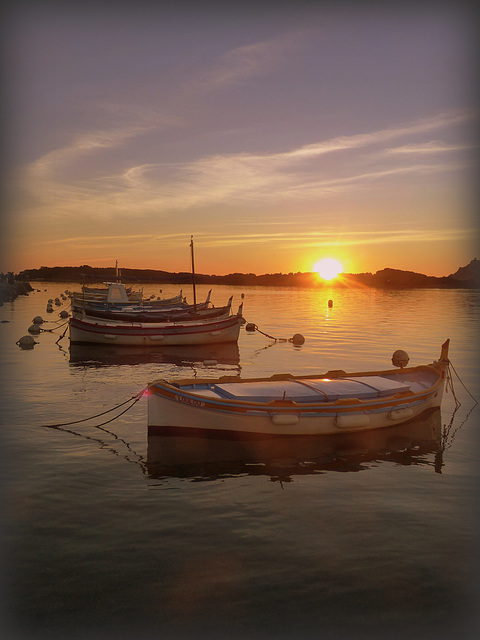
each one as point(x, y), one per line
point(312, 390)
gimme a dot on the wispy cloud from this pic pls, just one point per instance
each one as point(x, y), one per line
point(229, 178)
point(434, 146)
point(330, 237)
point(250, 61)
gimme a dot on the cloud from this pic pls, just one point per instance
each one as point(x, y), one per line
point(235, 178)
point(249, 61)
point(434, 146)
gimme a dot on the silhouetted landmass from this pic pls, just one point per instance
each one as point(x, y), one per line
point(467, 277)
point(10, 290)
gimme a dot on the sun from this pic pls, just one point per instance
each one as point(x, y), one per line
point(328, 268)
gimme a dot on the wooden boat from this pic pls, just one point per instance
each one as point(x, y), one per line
point(138, 313)
point(284, 404)
point(105, 331)
point(172, 315)
point(115, 294)
point(112, 292)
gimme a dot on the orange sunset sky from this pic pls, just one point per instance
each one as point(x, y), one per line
point(275, 138)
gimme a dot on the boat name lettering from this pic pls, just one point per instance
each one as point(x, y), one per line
point(187, 400)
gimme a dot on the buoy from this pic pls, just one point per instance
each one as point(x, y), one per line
point(34, 329)
point(400, 358)
point(63, 314)
point(50, 300)
point(26, 342)
point(298, 339)
point(330, 303)
point(38, 320)
point(49, 309)
point(242, 296)
point(250, 326)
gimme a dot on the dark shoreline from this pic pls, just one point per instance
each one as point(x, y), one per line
point(9, 291)
point(385, 279)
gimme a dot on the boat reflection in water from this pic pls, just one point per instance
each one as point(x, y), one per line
point(106, 355)
point(184, 453)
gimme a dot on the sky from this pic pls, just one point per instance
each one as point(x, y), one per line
point(275, 136)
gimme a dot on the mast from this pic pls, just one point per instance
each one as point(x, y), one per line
point(193, 276)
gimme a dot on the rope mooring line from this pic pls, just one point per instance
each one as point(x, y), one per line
point(297, 339)
point(450, 365)
point(134, 399)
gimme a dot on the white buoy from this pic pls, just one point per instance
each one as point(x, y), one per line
point(26, 342)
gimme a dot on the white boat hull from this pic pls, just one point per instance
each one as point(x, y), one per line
point(276, 422)
point(136, 334)
point(307, 405)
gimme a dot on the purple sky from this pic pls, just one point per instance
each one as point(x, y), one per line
point(275, 137)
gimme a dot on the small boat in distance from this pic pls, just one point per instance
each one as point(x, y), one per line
point(284, 404)
point(116, 294)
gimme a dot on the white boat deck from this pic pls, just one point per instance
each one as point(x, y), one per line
point(305, 391)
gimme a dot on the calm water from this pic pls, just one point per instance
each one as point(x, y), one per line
point(113, 534)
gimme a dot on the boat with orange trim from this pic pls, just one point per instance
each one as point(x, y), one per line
point(284, 404)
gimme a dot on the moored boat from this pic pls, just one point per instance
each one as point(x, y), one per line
point(203, 331)
point(139, 313)
point(284, 404)
point(117, 295)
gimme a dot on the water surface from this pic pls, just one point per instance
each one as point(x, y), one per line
point(112, 533)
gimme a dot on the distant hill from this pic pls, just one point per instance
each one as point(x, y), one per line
point(470, 273)
point(467, 277)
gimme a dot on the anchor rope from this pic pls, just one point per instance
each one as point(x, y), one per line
point(59, 326)
point(255, 327)
point(450, 365)
point(133, 400)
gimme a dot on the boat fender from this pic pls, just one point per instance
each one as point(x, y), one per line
point(400, 414)
point(26, 342)
point(209, 363)
point(400, 358)
point(351, 420)
point(284, 418)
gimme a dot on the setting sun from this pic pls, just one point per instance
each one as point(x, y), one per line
point(328, 268)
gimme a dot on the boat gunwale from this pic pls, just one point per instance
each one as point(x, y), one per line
point(168, 390)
